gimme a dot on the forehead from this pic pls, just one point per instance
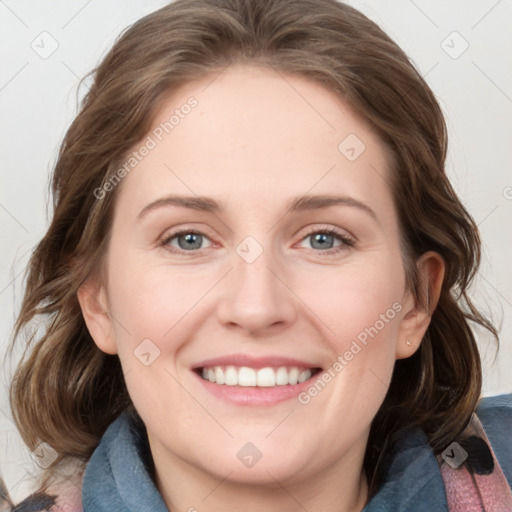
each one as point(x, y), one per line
point(255, 135)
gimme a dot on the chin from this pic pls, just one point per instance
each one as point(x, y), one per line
point(262, 461)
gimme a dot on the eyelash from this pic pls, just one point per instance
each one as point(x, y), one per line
point(347, 241)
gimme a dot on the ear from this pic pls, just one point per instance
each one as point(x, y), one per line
point(92, 298)
point(417, 315)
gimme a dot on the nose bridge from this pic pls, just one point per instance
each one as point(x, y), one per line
point(252, 267)
point(256, 296)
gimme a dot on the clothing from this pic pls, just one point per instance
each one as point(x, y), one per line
point(118, 476)
point(417, 480)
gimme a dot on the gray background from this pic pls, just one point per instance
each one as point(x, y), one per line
point(461, 47)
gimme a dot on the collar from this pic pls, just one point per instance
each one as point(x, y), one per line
point(117, 477)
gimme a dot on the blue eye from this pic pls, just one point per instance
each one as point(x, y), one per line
point(323, 239)
point(188, 240)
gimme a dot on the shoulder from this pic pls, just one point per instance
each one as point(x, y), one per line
point(497, 402)
point(495, 415)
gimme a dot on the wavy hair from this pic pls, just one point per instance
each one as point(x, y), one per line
point(66, 391)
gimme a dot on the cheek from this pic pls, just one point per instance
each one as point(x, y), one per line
point(360, 310)
point(356, 299)
point(150, 300)
point(150, 307)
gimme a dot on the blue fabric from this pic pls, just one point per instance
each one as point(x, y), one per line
point(495, 414)
point(413, 480)
point(118, 476)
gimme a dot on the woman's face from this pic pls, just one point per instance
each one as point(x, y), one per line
point(255, 243)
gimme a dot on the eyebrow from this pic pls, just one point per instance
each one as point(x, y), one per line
point(299, 204)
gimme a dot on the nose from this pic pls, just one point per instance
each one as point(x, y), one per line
point(256, 297)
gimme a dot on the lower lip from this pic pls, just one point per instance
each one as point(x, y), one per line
point(253, 395)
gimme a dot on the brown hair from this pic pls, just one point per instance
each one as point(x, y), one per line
point(66, 391)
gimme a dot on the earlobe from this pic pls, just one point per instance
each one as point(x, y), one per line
point(417, 316)
point(92, 298)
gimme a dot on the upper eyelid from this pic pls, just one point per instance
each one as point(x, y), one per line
point(183, 231)
point(335, 231)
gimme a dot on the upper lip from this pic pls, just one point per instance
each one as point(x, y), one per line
point(253, 362)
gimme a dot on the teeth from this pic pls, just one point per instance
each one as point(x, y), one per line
point(293, 376)
point(219, 376)
point(303, 376)
point(231, 376)
point(282, 377)
point(246, 376)
point(264, 377)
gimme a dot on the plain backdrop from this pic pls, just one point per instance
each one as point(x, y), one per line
point(461, 47)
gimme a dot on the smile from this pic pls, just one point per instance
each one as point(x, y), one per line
point(260, 377)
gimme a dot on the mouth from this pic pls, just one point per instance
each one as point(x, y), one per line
point(250, 380)
point(265, 377)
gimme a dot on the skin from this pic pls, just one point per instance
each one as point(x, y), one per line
point(256, 140)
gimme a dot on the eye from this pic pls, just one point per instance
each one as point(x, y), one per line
point(188, 240)
point(323, 240)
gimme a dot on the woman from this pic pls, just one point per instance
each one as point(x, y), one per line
point(256, 279)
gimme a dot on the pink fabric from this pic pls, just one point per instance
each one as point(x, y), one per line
point(69, 496)
point(468, 491)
